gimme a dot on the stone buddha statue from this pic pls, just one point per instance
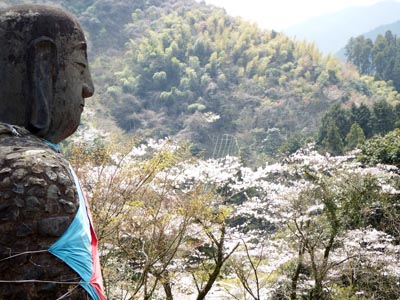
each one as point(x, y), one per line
point(44, 80)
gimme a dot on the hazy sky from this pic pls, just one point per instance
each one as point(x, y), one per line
point(280, 14)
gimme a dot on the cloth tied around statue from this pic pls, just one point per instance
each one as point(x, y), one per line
point(77, 247)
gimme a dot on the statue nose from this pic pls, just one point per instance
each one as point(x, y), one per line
point(87, 90)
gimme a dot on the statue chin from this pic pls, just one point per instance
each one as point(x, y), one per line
point(69, 131)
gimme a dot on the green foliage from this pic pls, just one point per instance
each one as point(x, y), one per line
point(355, 137)
point(335, 125)
point(182, 51)
point(291, 145)
point(384, 117)
point(366, 122)
point(385, 150)
point(343, 293)
point(380, 58)
point(332, 142)
point(361, 115)
point(357, 195)
point(359, 51)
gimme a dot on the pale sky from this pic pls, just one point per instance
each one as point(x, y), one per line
point(280, 14)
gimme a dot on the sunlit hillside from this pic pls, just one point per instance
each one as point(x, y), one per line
point(186, 70)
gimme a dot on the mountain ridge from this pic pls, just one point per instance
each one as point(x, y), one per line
point(380, 30)
point(330, 32)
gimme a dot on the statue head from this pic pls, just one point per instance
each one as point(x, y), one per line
point(44, 74)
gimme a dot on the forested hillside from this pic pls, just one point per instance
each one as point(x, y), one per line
point(184, 69)
point(311, 225)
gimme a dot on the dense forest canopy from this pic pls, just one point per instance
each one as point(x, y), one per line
point(183, 69)
point(197, 73)
point(344, 129)
point(380, 58)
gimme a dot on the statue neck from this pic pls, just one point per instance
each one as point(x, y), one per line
point(19, 131)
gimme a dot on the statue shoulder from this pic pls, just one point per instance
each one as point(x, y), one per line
point(36, 184)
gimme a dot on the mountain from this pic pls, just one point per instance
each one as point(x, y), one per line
point(331, 32)
point(393, 27)
point(186, 70)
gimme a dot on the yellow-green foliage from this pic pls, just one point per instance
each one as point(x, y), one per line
point(382, 90)
point(343, 293)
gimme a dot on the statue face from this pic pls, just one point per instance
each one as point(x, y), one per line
point(73, 85)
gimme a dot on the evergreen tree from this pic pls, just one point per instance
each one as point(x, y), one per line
point(384, 117)
point(390, 55)
point(362, 116)
point(340, 117)
point(355, 137)
point(396, 68)
point(332, 143)
point(359, 52)
point(379, 59)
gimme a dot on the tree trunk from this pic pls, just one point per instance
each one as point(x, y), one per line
point(296, 274)
point(168, 290)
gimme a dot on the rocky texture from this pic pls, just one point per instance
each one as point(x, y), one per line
point(38, 201)
point(44, 80)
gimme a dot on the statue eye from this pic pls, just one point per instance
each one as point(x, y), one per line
point(81, 66)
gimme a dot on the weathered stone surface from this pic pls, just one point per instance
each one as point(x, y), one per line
point(38, 201)
point(68, 206)
point(33, 203)
point(54, 226)
point(8, 212)
point(6, 182)
point(36, 181)
point(53, 192)
point(19, 202)
point(6, 195)
point(13, 156)
point(63, 179)
point(41, 89)
point(18, 188)
point(51, 175)
point(5, 170)
point(18, 174)
point(36, 191)
point(24, 230)
point(70, 192)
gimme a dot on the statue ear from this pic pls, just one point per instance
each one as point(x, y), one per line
point(42, 72)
